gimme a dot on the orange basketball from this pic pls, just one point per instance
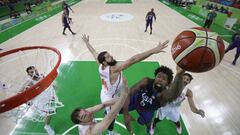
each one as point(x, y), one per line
point(197, 49)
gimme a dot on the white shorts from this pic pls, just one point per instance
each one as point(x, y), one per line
point(169, 112)
point(44, 103)
point(104, 97)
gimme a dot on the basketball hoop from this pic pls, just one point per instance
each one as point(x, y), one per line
point(16, 61)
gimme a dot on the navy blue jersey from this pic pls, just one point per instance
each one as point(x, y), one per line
point(150, 16)
point(147, 98)
point(65, 20)
point(66, 7)
point(236, 39)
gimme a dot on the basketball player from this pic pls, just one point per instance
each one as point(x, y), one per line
point(41, 102)
point(66, 22)
point(66, 7)
point(172, 110)
point(111, 71)
point(85, 117)
point(235, 44)
point(149, 19)
point(210, 18)
point(147, 95)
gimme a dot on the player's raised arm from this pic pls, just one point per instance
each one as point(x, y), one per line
point(103, 125)
point(103, 105)
point(175, 88)
point(141, 56)
point(192, 105)
point(85, 39)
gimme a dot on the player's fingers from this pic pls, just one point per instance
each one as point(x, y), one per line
point(166, 42)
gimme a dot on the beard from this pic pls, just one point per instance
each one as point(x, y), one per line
point(112, 63)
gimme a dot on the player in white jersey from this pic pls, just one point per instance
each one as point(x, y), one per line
point(111, 71)
point(109, 91)
point(85, 117)
point(42, 102)
point(172, 110)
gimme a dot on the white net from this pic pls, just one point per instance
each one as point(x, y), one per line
point(14, 79)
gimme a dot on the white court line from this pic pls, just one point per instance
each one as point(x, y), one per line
point(128, 39)
point(117, 44)
point(186, 123)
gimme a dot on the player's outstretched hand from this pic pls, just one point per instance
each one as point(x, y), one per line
point(85, 38)
point(161, 46)
point(201, 112)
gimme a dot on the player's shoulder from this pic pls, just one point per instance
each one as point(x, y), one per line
point(189, 92)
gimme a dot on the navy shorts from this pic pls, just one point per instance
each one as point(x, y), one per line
point(145, 117)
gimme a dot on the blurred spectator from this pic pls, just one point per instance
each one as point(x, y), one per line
point(14, 15)
point(10, 5)
point(210, 7)
point(229, 12)
point(215, 7)
point(28, 8)
point(222, 9)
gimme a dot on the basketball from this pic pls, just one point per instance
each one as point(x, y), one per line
point(197, 50)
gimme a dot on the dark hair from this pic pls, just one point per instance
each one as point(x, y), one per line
point(165, 70)
point(29, 68)
point(189, 75)
point(74, 116)
point(101, 57)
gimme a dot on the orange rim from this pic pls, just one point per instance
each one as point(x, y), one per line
point(33, 91)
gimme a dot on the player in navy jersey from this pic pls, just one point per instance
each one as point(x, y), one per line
point(66, 7)
point(66, 23)
point(149, 19)
point(148, 95)
point(235, 44)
